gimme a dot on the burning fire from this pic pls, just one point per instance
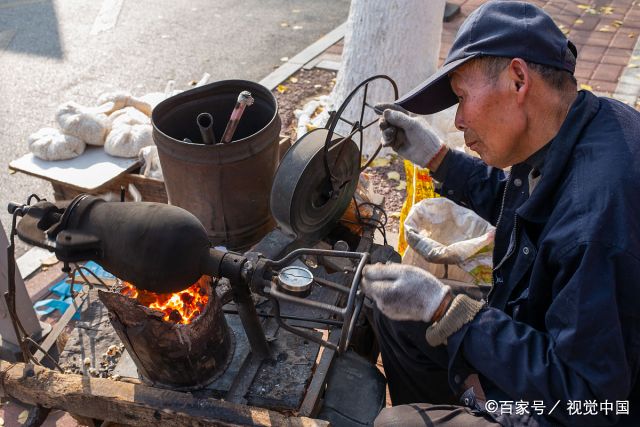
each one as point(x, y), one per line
point(180, 307)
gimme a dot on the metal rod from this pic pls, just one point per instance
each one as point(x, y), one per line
point(352, 325)
point(230, 265)
point(304, 251)
point(332, 285)
point(351, 311)
point(250, 322)
point(296, 318)
point(59, 327)
point(371, 123)
point(298, 331)
point(10, 295)
point(244, 99)
point(346, 121)
point(273, 291)
point(364, 101)
point(205, 124)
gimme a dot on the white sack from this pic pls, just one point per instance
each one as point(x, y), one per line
point(440, 232)
point(120, 99)
point(128, 116)
point(51, 144)
point(88, 124)
point(127, 140)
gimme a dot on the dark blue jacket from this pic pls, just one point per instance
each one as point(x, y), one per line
point(563, 317)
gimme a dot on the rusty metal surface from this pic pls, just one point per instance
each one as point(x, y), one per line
point(278, 384)
point(226, 186)
point(281, 384)
point(178, 356)
point(246, 375)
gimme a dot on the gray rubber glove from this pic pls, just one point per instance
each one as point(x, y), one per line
point(403, 292)
point(410, 136)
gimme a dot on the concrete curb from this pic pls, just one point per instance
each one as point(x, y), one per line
point(297, 62)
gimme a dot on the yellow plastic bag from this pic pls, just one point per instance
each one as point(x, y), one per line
point(419, 187)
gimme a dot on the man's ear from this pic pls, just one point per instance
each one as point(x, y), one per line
point(519, 77)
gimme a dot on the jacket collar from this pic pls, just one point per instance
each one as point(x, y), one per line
point(537, 208)
point(536, 160)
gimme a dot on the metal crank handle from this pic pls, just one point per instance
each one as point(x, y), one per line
point(393, 133)
point(384, 125)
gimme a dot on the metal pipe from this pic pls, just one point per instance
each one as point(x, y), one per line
point(283, 262)
point(229, 265)
point(298, 331)
point(323, 282)
point(249, 318)
point(244, 99)
point(295, 318)
point(274, 292)
point(205, 124)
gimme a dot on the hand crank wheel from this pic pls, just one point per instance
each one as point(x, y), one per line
point(357, 126)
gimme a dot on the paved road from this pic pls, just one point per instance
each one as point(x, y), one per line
point(56, 51)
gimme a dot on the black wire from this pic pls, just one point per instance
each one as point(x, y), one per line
point(371, 221)
point(33, 196)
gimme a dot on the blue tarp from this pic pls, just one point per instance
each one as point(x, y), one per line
point(63, 290)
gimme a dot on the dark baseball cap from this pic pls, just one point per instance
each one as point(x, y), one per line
point(509, 29)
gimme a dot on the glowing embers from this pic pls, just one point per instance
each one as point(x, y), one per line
point(180, 307)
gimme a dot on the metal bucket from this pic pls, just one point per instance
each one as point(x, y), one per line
point(226, 186)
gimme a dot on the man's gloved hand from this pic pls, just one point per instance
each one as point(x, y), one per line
point(404, 292)
point(410, 136)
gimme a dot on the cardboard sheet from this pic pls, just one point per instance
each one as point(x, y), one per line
point(88, 171)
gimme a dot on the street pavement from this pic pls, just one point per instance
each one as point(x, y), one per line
point(57, 51)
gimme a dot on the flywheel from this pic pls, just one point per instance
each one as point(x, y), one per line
point(305, 200)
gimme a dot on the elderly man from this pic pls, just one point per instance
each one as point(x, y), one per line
point(557, 340)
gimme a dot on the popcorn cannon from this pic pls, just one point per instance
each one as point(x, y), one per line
point(164, 249)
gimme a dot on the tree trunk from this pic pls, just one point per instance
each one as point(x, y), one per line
point(399, 38)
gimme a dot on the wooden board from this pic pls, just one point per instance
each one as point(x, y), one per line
point(131, 404)
point(88, 171)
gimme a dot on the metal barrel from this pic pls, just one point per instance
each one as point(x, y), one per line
point(226, 186)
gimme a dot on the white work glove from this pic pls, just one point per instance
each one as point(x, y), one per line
point(410, 136)
point(404, 292)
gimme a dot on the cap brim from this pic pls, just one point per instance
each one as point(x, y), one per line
point(434, 94)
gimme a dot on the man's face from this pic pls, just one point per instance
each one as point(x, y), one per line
point(488, 114)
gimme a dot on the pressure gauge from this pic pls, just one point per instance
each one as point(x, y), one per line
point(295, 280)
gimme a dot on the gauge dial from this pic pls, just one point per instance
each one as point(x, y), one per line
point(295, 279)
